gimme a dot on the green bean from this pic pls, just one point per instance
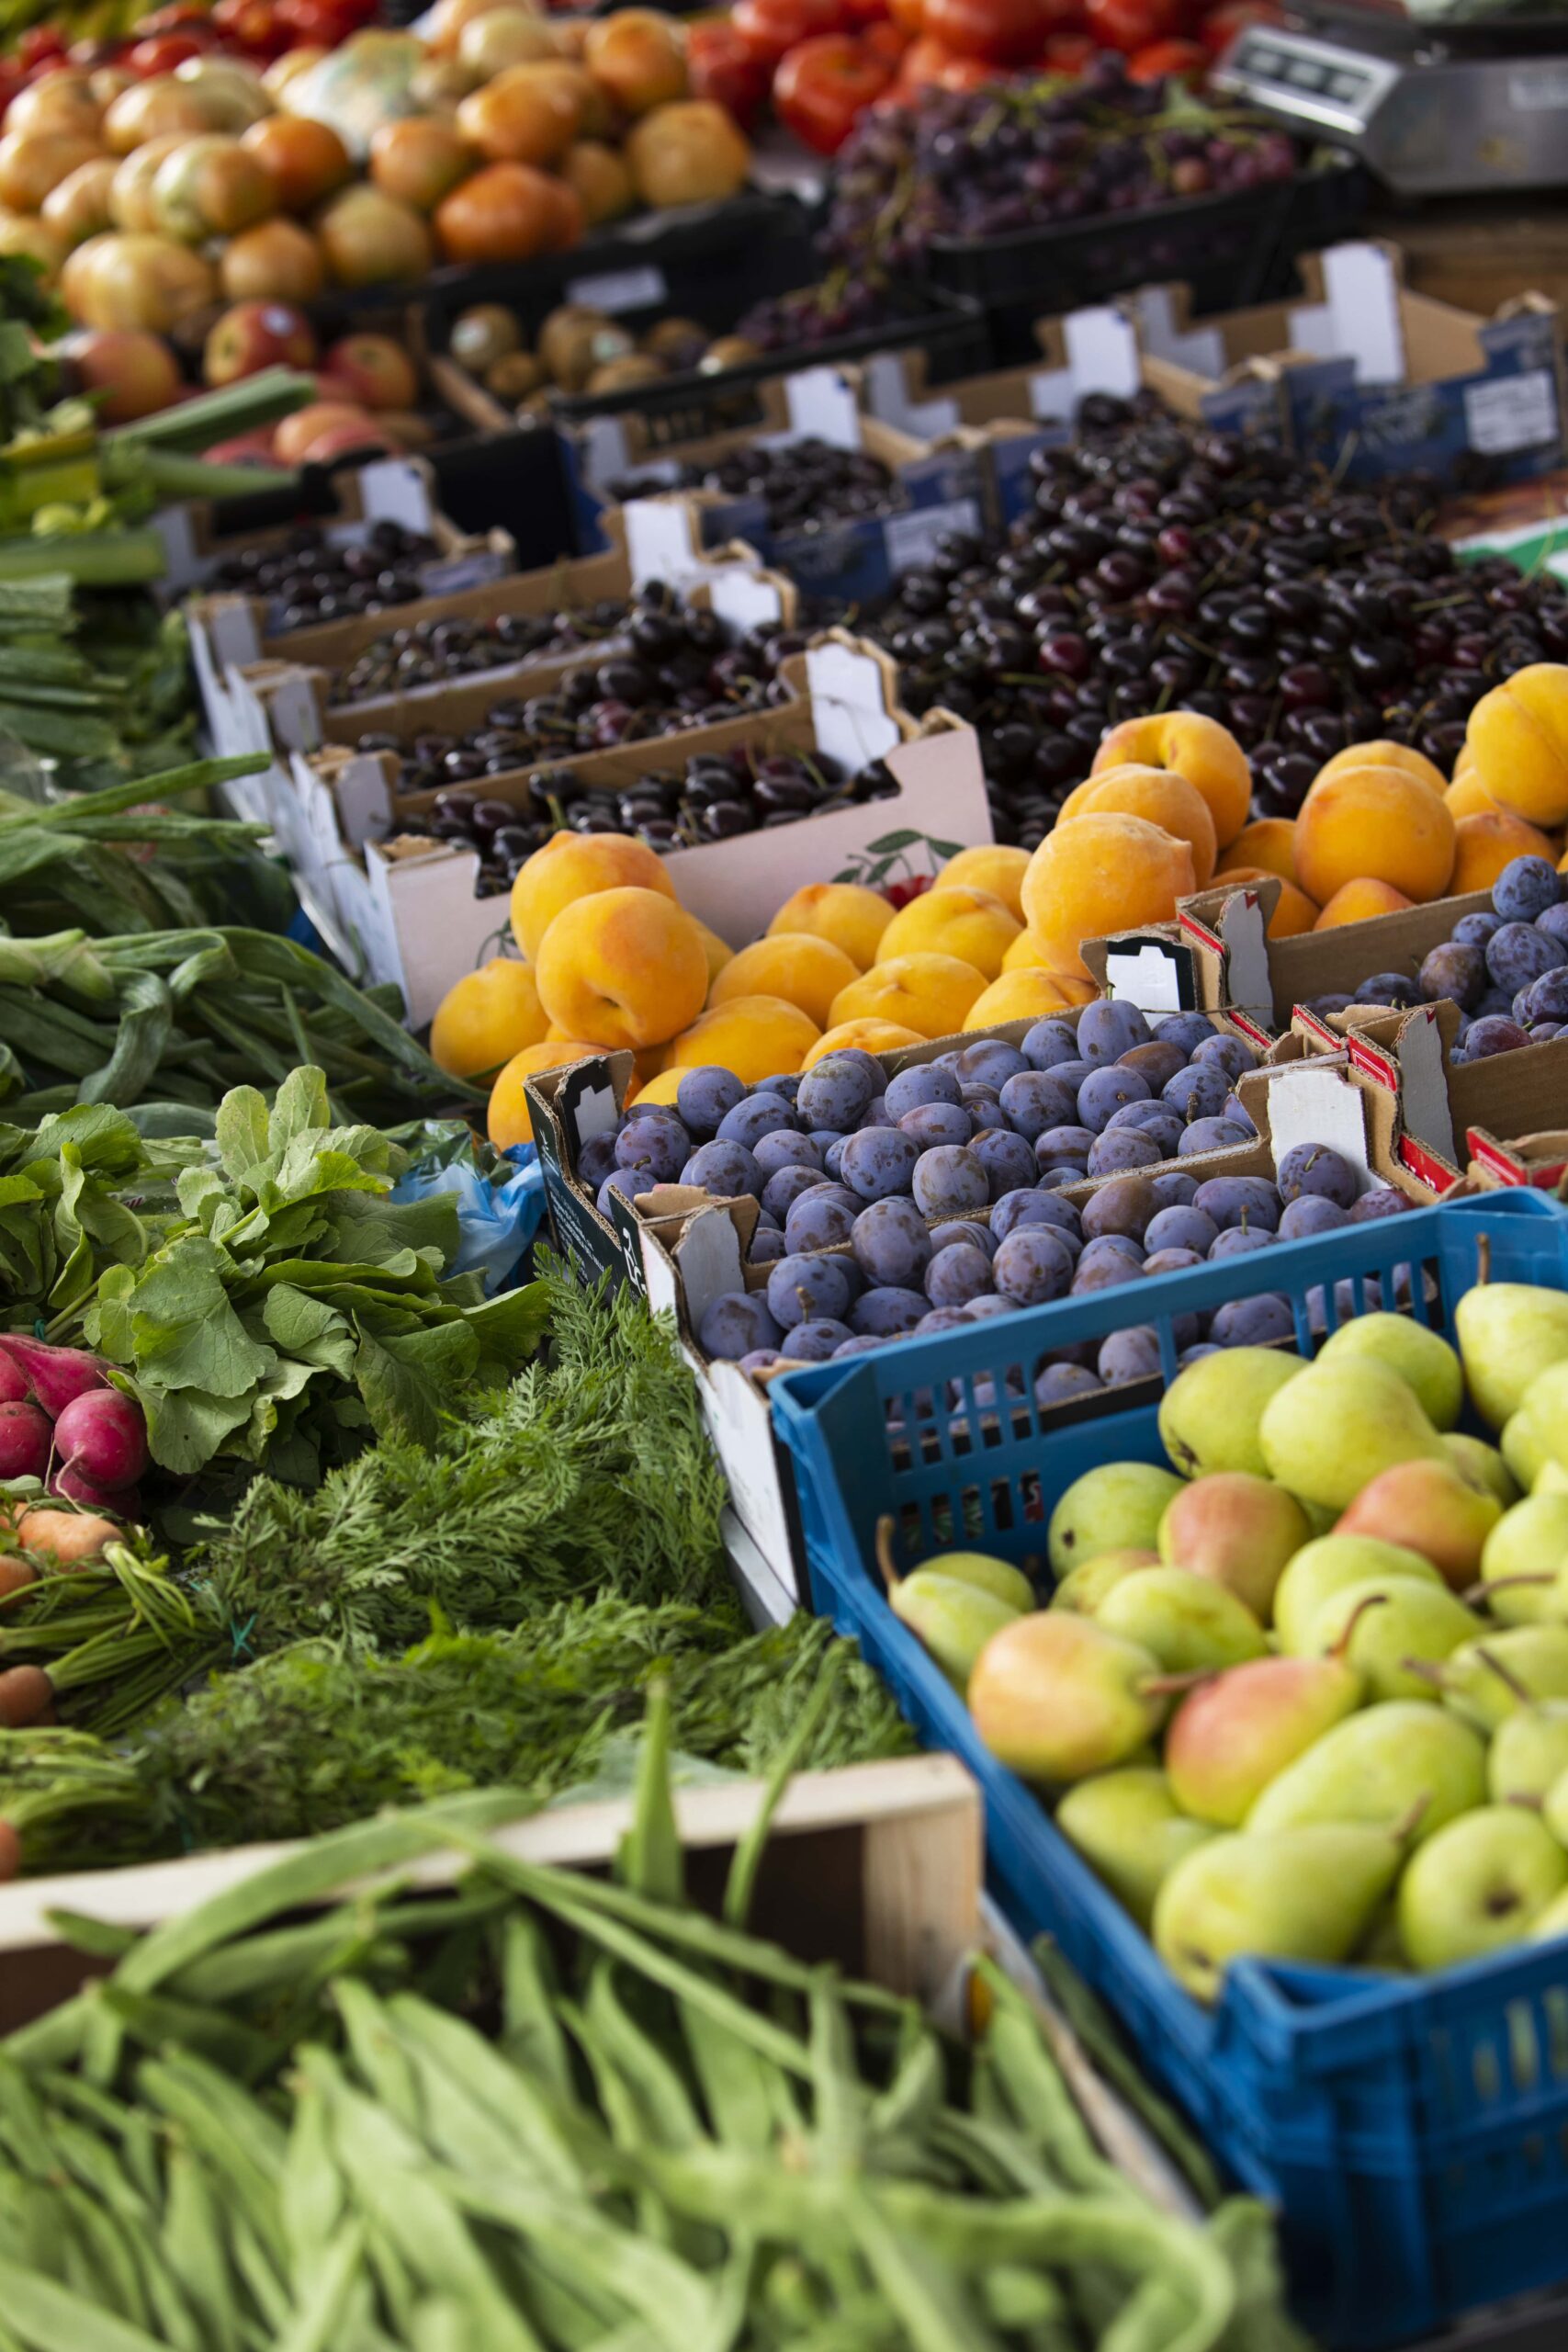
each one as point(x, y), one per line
point(531, 2035)
point(914, 2098)
point(437, 2324)
point(496, 2107)
point(995, 2156)
point(130, 2127)
point(929, 2301)
point(99, 1938)
point(194, 2247)
point(376, 2055)
point(1032, 2083)
point(651, 1860)
point(52, 2319)
point(317, 2324)
point(230, 2130)
point(840, 2135)
point(670, 2296)
point(733, 2080)
point(24, 2128)
point(661, 2095)
point(152, 2021)
point(258, 2273)
point(746, 1861)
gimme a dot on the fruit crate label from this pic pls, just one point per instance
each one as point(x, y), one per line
point(1512, 413)
point(1154, 976)
point(912, 539)
point(614, 291)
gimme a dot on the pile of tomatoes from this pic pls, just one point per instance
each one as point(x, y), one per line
point(257, 30)
point(823, 62)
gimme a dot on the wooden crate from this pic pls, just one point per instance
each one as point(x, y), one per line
point(875, 1866)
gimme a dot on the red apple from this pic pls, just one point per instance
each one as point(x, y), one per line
point(136, 372)
point(245, 449)
point(295, 434)
point(347, 440)
point(377, 371)
point(257, 334)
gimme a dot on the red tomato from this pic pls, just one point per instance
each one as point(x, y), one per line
point(930, 63)
point(253, 24)
point(37, 44)
point(322, 22)
point(1188, 58)
point(823, 84)
point(1003, 32)
point(162, 52)
point(909, 17)
point(887, 41)
point(768, 27)
point(722, 68)
point(1068, 54)
point(1130, 24)
point(858, 14)
point(1221, 26)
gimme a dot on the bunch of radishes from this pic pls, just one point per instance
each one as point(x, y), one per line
point(61, 1423)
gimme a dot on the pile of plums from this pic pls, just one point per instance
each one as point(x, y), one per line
point(801, 483)
point(428, 652)
point(1026, 155)
point(1506, 969)
point(1166, 566)
point(313, 580)
point(716, 797)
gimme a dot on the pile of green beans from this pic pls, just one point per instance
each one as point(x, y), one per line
point(539, 2112)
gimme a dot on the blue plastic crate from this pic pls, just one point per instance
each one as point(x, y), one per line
point(1413, 2133)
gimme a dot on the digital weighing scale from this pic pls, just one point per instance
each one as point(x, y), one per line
point(1452, 107)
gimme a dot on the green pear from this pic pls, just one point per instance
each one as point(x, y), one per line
point(1549, 1479)
point(1390, 1626)
point(1329, 1432)
point(1537, 1433)
point(1481, 1464)
point(1509, 1334)
point(1231, 1735)
point(1130, 1832)
point(987, 1574)
point(1308, 1894)
point(1330, 1566)
point(1190, 1623)
point(1424, 1361)
point(1481, 1884)
point(1554, 1806)
point(1320, 1517)
point(1484, 1682)
point(1529, 1749)
point(1548, 1925)
point(953, 1621)
point(1209, 1415)
point(1378, 1768)
point(1057, 1697)
point(1117, 1506)
point(1523, 1563)
point(1238, 1530)
point(1084, 1587)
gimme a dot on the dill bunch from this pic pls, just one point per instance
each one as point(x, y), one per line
point(314, 1737)
point(593, 1474)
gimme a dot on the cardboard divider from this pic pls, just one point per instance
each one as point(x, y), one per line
point(411, 906)
point(1366, 377)
point(937, 490)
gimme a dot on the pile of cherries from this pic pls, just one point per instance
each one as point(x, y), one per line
point(801, 484)
point(427, 653)
point(1166, 566)
point(716, 797)
point(1038, 153)
point(310, 580)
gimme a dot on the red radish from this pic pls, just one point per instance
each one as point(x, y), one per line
point(124, 1502)
point(25, 1693)
point(13, 1388)
point(104, 1437)
point(69, 1538)
point(26, 1442)
point(55, 1375)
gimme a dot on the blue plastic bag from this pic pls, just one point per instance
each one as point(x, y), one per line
point(497, 1218)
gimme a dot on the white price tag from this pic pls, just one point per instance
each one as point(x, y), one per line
point(1148, 975)
point(614, 291)
point(1512, 413)
point(912, 537)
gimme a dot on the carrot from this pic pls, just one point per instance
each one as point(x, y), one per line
point(10, 1851)
point(15, 1574)
point(72, 1538)
point(25, 1693)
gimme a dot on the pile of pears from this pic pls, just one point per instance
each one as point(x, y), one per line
point(1303, 1694)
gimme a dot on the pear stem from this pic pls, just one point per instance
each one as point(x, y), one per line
point(884, 1553)
point(1483, 1259)
point(1373, 1601)
point(1502, 1584)
point(1526, 1801)
point(1506, 1676)
point(1164, 1685)
point(1405, 1828)
point(1424, 1669)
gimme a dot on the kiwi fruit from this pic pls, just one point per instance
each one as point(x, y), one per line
point(680, 343)
point(515, 377)
point(728, 351)
point(619, 374)
point(484, 334)
point(573, 342)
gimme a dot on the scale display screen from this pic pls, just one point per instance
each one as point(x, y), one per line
point(1314, 73)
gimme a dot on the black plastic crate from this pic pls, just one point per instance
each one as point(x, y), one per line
point(1225, 246)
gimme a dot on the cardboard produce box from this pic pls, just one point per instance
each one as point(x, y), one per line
point(283, 688)
point(393, 490)
point(413, 910)
point(683, 1250)
point(1367, 377)
point(1431, 1111)
point(1006, 416)
point(856, 559)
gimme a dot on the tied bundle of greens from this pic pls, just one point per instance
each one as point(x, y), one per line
point(539, 2112)
point(292, 1306)
point(316, 1737)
